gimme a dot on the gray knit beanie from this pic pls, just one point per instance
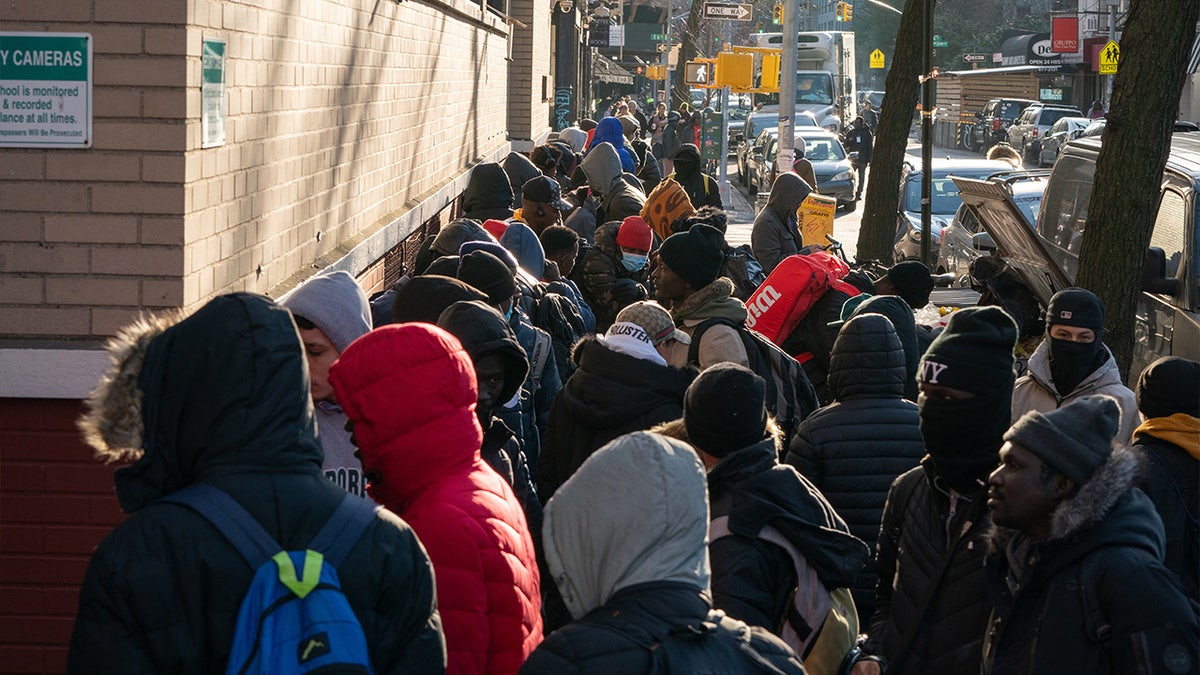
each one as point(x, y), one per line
point(335, 303)
point(1075, 439)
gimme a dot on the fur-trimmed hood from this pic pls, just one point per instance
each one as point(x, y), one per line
point(1078, 518)
point(677, 430)
point(220, 391)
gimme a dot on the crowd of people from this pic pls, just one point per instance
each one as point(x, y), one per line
point(566, 443)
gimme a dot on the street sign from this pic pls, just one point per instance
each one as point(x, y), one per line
point(46, 90)
point(212, 93)
point(974, 58)
point(1109, 57)
point(939, 41)
point(732, 12)
point(877, 59)
point(697, 73)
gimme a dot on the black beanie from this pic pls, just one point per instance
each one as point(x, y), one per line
point(1169, 386)
point(423, 298)
point(446, 266)
point(1076, 307)
point(974, 353)
point(724, 409)
point(912, 281)
point(489, 274)
point(696, 255)
point(1075, 439)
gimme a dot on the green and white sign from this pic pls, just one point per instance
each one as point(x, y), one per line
point(212, 93)
point(45, 90)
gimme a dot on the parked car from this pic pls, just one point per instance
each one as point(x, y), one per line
point(756, 157)
point(757, 121)
point(835, 176)
point(1046, 259)
point(1065, 129)
point(944, 202)
point(959, 246)
point(737, 121)
point(992, 122)
point(1027, 131)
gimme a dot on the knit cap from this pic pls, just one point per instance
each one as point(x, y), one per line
point(1169, 386)
point(974, 353)
point(494, 227)
point(1075, 439)
point(492, 247)
point(1076, 307)
point(423, 298)
point(335, 303)
point(912, 281)
point(489, 274)
point(635, 233)
point(724, 409)
point(696, 255)
point(852, 303)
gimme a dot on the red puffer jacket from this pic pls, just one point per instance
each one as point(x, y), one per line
point(410, 391)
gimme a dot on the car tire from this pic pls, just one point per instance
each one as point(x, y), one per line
point(850, 206)
point(752, 188)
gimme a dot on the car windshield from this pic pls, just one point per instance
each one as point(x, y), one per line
point(823, 150)
point(1050, 115)
point(944, 192)
point(1010, 109)
point(810, 88)
point(1029, 207)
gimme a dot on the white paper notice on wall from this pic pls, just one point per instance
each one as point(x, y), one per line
point(212, 93)
point(45, 90)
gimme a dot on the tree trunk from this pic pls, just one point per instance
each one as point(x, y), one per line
point(1137, 140)
point(688, 40)
point(878, 231)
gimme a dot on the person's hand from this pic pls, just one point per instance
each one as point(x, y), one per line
point(866, 668)
point(627, 291)
point(551, 273)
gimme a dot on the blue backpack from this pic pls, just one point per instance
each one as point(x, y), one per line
point(294, 617)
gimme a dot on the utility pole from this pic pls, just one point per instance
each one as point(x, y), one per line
point(666, 58)
point(723, 162)
point(787, 87)
point(926, 131)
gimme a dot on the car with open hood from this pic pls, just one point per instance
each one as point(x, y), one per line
point(1046, 258)
point(960, 247)
point(944, 202)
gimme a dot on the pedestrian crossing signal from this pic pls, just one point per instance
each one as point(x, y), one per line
point(777, 14)
point(847, 11)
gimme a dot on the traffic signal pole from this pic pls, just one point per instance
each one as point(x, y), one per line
point(927, 131)
point(723, 163)
point(787, 87)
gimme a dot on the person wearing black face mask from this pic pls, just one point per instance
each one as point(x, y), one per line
point(1072, 362)
point(930, 606)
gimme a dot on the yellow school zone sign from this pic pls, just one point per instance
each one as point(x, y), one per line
point(1109, 56)
point(877, 59)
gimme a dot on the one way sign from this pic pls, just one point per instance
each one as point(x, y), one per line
point(733, 12)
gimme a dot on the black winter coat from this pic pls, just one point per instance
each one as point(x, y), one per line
point(1094, 598)
point(488, 194)
point(922, 525)
point(853, 449)
point(1172, 481)
point(609, 395)
point(631, 616)
point(752, 579)
point(502, 451)
point(225, 402)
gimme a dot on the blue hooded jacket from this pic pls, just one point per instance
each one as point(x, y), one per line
point(609, 130)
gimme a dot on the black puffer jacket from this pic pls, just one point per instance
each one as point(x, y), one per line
point(1100, 567)
point(701, 188)
point(609, 395)
point(615, 637)
point(225, 401)
point(1172, 482)
point(752, 579)
point(922, 525)
point(854, 448)
point(914, 339)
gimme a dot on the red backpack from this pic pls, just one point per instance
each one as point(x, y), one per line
point(790, 291)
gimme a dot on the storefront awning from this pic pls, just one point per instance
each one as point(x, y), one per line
point(605, 70)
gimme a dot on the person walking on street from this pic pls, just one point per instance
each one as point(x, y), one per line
point(617, 198)
point(1074, 567)
point(860, 140)
point(221, 399)
point(1168, 394)
point(776, 232)
point(701, 188)
point(1073, 362)
point(803, 167)
point(931, 609)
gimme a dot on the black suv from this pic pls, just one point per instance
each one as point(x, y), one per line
point(992, 122)
point(1047, 258)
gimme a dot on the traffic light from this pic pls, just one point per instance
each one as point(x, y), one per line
point(840, 11)
point(777, 13)
point(847, 11)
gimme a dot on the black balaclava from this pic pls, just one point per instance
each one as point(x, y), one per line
point(973, 354)
point(1071, 362)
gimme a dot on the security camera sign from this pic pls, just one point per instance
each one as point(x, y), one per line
point(45, 90)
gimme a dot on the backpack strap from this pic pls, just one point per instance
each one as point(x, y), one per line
point(344, 528)
point(694, 348)
point(542, 346)
point(230, 518)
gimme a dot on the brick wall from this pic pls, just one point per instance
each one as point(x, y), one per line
point(342, 114)
point(56, 505)
point(529, 110)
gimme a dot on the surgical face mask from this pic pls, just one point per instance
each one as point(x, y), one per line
point(632, 262)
